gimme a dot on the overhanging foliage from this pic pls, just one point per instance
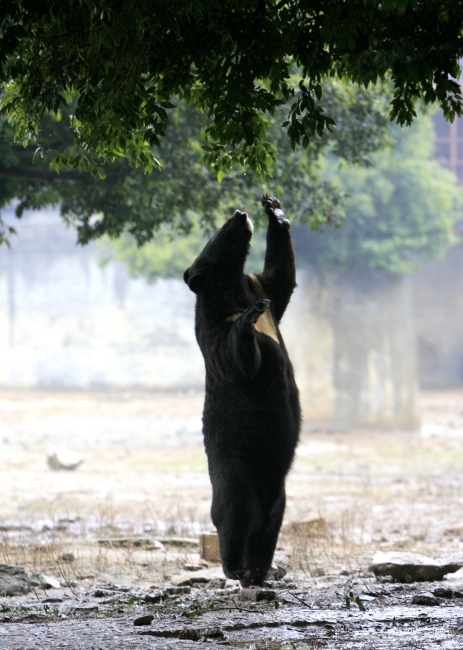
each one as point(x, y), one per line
point(119, 64)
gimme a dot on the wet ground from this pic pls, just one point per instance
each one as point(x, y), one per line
point(305, 614)
point(109, 531)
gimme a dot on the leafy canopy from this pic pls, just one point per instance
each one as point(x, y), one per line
point(128, 199)
point(118, 66)
point(400, 211)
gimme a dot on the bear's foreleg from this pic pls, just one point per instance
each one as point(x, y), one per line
point(279, 276)
point(246, 356)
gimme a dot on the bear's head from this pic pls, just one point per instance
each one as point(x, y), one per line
point(223, 257)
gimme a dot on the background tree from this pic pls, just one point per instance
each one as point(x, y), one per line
point(400, 210)
point(128, 199)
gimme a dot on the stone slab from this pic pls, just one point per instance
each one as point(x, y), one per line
point(413, 567)
point(13, 580)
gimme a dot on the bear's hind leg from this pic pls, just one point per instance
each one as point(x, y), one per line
point(235, 512)
point(262, 543)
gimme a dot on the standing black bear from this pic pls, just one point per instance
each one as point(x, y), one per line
point(251, 416)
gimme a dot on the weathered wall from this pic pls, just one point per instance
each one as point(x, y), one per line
point(65, 321)
point(352, 341)
point(438, 307)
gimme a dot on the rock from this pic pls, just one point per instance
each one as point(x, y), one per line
point(181, 580)
point(197, 577)
point(189, 634)
point(209, 546)
point(367, 598)
point(13, 580)
point(44, 581)
point(178, 591)
point(195, 567)
point(280, 566)
point(265, 594)
point(63, 459)
point(257, 594)
point(84, 609)
point(182, 542)
point(445, 592)
point(313, 528)
point(67, 557)
point(52, 600)
point(153, 598)
point(231, 584)
point(425, 599)
point(110, 588)
point(147, 543)
point(216, 583)
point(212, 633)
point(276, 572)
point(144, 620)
point(413, 567)
point(206, 575)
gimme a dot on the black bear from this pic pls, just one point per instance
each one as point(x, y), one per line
point(251, 417)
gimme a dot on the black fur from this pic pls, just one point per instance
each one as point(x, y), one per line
point(251, 416)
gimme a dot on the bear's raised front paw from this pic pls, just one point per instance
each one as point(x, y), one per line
point(272, 207)
point(270, 201)
point(251, 315)
point(262, 305)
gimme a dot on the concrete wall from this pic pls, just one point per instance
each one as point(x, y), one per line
point(438, 307)
point(65, 321)
point(352, 341)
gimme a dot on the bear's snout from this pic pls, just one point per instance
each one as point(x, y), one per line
point(243, 218)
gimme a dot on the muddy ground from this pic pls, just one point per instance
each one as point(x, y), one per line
point(116, 530)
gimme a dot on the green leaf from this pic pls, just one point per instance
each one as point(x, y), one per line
point(360, 604)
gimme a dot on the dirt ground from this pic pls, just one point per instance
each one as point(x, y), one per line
point(114, 531)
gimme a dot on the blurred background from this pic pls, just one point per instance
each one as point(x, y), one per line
point(100, 370)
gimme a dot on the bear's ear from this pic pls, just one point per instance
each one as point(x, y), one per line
point(194, 280)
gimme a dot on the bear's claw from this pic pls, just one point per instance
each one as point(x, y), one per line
point(251, 315)
point(272, 207)
point(270, 201)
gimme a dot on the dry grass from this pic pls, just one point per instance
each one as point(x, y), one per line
point(102, 549)
point(349, 494)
